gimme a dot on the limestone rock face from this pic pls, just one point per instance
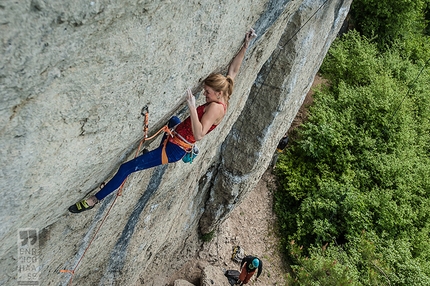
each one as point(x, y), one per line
point(74, 76)
point(181, 282)
point(272, 104)
point(214, 276)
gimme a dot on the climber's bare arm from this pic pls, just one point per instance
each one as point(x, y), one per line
point(237, 61)
point(213, 113)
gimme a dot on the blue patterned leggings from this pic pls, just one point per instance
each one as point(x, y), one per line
point(145, 161)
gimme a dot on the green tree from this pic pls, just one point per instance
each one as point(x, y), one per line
point(390, 20)
point(361, 164)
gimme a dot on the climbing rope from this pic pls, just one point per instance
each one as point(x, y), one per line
point(275, 58)
point(410, 85)
point(165, 128)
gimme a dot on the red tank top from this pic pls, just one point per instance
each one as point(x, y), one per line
point(184, 128)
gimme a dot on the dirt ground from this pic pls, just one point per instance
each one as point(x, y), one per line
point(252, 225)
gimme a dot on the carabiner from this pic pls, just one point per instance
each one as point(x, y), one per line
point(145, 110)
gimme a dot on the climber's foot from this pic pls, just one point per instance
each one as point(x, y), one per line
point(83, 205)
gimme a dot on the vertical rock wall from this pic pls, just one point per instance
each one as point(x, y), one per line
point(274, 99)
point(74, 76)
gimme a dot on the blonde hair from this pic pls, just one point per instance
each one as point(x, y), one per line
point(220, 83)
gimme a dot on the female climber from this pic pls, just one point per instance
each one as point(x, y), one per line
point(202, 120)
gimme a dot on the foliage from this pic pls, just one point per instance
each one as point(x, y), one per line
point(390, 20)
point(335, 265)
point(361, 165)
point(207, 237)
point(322, 268)
point(416, 48)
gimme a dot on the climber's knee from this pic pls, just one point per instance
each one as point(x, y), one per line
point(173, 121)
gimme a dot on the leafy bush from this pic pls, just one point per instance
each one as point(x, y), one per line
point(390, 20)
point(361, 164)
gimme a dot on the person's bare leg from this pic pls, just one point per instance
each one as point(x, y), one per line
point(91, 201)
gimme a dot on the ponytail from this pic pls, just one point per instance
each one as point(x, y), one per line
point(230, 86)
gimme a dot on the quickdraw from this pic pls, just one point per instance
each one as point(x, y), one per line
point(145, 113)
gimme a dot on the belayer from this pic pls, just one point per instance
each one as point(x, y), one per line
point(202, 120)
point(248, 266)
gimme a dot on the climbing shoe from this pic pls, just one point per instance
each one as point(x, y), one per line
point(80, 207)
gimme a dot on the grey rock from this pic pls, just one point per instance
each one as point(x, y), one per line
point(181, 282)
point(74, 76)
point(214, 276)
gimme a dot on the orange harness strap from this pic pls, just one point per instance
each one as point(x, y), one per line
point(177, 140)
point(164, 159)
point(181, 143)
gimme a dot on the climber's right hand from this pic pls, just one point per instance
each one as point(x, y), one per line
point(191, 100)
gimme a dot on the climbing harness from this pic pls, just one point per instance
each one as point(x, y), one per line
point(175, 138)
point(166, 129)
point(188, 147)
point(181, 142)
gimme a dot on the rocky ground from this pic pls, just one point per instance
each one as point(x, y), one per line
point(252, 226)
